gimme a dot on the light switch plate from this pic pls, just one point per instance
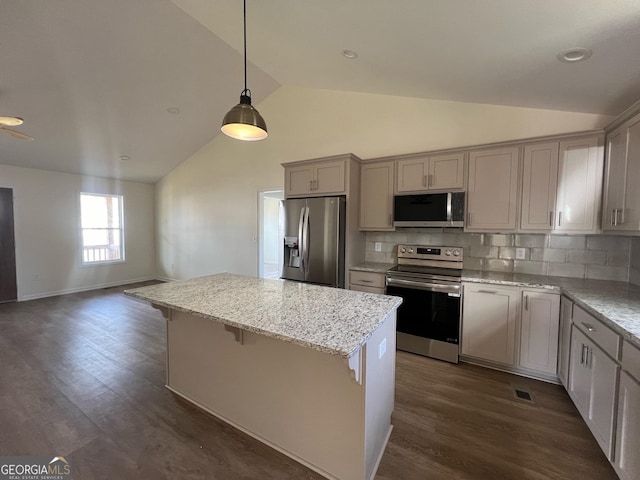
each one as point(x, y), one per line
point(520, 253)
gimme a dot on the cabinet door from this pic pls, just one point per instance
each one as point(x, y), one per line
point(539, 331)
point(604, 378)
point(446, 172)
point(492, 190)
point(626, 458)
point(539, 183)
point(615, 180)
point(631, 213)
point(564, 343)
point(579, 387)
point(376, 196)
point(592, 387)
point(579, 186)
point(489, 323)
point(298, 180)
point(329, 177)
point(413, 175)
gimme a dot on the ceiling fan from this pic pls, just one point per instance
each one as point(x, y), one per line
point(13, 122)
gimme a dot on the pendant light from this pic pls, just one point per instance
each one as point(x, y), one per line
point(243, 122)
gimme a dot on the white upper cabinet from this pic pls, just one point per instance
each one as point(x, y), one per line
point(310, 179)
point(376, 196)
point(621, 210)
point(580, 171)
point(539, 186)
point(562, 186)
point(434, 172)
point(492, 191)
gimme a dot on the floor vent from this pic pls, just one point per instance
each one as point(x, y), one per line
point(523, 393)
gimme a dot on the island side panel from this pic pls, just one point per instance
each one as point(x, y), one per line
point(380, 378)
point(300, 401)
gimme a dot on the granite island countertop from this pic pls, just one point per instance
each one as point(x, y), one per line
point(616, 304)
point(330, 320)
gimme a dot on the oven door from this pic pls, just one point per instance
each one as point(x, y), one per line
point(428, 319)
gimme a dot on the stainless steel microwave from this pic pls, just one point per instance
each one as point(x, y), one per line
point(429, 210)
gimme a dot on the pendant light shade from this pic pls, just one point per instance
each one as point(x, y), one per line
point(243, 122)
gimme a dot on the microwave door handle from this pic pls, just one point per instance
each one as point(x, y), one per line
point(449, 212)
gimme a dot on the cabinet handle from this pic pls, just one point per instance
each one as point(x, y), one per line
point(589, 359)
point(582, 354)
point(487, 291)
point(572, 304)
point(429, 180)
point(551, 218)
point(424, 180)
point(589, 327)
point(366, 281)
point(559, 219)
point(526, 302)
point(613, 217)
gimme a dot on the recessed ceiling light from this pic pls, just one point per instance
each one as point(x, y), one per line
point(124, 158)
point(173, 110)
point(350, 54)
point(573, 55)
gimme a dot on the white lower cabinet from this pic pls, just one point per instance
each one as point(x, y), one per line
point(370, 282)
point(539, 331)
point(564, 340)
point(627, 454)
point(489, 323)
point(593, 379)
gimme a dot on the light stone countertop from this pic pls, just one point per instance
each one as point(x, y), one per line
point(330, 320)
point(374, 267)
point(616, 304)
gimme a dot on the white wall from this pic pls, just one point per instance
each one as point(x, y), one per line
point(47, 231)
point(207, 208)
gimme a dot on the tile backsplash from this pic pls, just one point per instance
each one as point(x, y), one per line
point(634, 267)
point(582, 256)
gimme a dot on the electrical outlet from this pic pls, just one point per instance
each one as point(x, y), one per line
point(520, 253)
point(382, 348)
point(377, 246)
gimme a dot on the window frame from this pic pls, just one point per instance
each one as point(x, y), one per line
point(121, 227)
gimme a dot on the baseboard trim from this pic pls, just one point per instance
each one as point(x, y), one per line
point(66, 291)
point(513, 370)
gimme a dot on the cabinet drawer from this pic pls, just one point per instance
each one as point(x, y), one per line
point(603, 336)
point(631, 360)
point(367, 279)
point(364, 288)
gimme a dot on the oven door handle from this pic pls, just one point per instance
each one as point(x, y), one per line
point(429, 287)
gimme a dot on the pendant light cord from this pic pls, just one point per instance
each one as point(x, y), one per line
point(244, 17)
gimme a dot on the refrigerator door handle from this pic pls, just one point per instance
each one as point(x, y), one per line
point(305, 241)
point(300, 237)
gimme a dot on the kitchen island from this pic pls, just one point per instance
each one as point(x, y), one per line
point(308, 370)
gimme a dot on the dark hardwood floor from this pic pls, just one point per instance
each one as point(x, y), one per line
point(82, 376)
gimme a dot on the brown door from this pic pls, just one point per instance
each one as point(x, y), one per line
point(8, 287)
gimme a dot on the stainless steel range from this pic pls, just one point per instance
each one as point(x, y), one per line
point(429, 281)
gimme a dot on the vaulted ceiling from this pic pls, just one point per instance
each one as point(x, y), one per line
point(98, 79)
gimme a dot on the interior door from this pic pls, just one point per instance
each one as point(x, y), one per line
point(8, 286)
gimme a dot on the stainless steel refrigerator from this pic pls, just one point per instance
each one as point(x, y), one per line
point(314, 240)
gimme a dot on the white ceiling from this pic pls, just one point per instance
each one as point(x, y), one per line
point(94, 78)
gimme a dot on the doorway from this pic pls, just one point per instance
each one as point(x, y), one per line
point(8, 285)
point(270, 233)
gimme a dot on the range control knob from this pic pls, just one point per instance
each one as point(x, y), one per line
point(403, 250)
point(456, 253)
point(447, 252)
point(411, 250)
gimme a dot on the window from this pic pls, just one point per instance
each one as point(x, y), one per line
point(102, 228)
